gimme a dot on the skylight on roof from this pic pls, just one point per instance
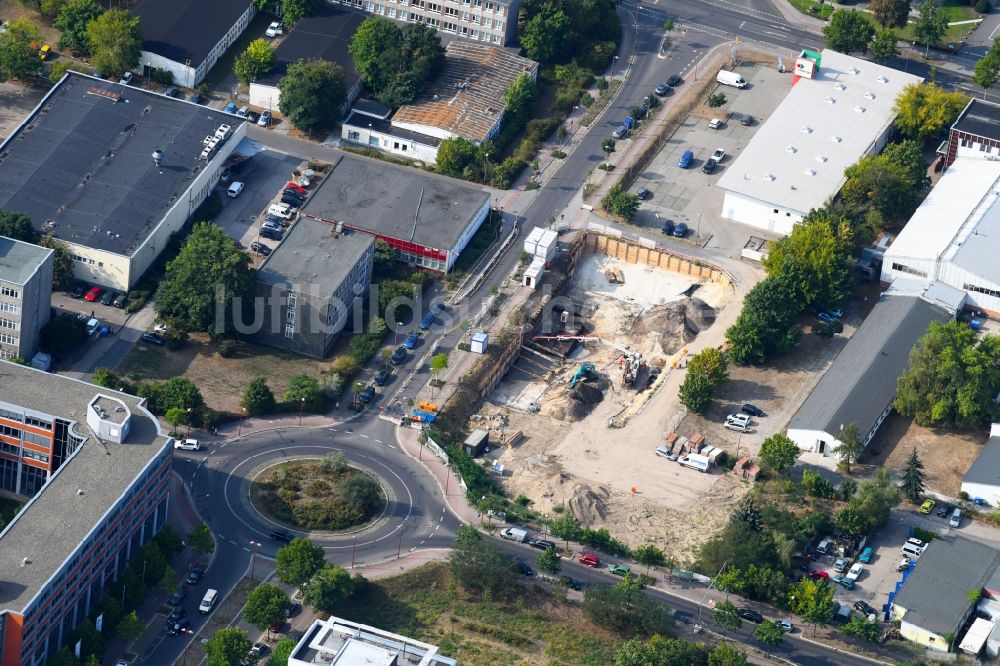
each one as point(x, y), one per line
point(882, 79)
point(840, 86)
point(806, 129)
point(859, 108)
point(810, 172)
point(769, 177)
point(830, 100)
point(870, 95)
point(821, 159)
point(791, 149)
point(836, 139)
point(854, 71)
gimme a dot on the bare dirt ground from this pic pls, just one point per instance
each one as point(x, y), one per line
point(946, 455)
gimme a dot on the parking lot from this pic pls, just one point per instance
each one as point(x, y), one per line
point(108, 314)
point(688, 195)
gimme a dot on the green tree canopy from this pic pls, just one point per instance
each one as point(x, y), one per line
point(395, 62)
point(298, 562)
point(266, 606)
point(737, 545)
point(778, 453)
point(883, 46)
point(313, 92)
point(131, 627)
point(208, 266)
point(227, 647)
point(925, 109)
point(769, 633)
point(848, 31)
point(256, 61)
point(767, 324)
point(912, 485)
point(479, 565)
point(72, 22)
point(819, 261)
point(549, 561)
point(812, 601)
point(328, 588)
point(931, 24)
point(987, 68)
point(293, 11)
point(200, 539)
point(746, 511)
point(890, 13)
point(625, 609)
point(301, 388)
point(546, 33)
point(619, 201)
point(519, 100)
point(18, 226)
point(281, 652)
point(455, 155)
point(884, 184)
point(19, 50)
point(724, 614)
point(115, 40)
point(696, 392)
point(851, 447)
point(258, 398)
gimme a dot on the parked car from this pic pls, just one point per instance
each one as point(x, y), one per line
point(664, 452)
point(718, 154)
point(716, 123)
point(839, 565)
point(542, 544)
point(187, 444)
point(411, 340)
point(153, 339)
point(866, 555)
point(944, 510)
point(643, 193)
point(235, 188)
point(681, 230)
point(856, 571)
point(382, 376)
point(171, 91)
point(194, 576)
point(662, 90)
point(78, 290)
point(817, 574)
point(668, 228)
point(178, 596)
point(709, 166)
point(674, 81)
point(571, 582)
point(176, 628)
point(44, 52)
point(904, 564)
point(427, 321)
point(826, 318)
point(253, 117)
point(522, 568)
point(685, 161)
point(750, 615)
point(120, 301)
point(272, 234)
point(292, 610)
point(264, 120)
point(230, 108)
point(274, 29)
point(865, 608)
point(746, 120)
point(176, 613)
point(93, 294)
point(108, 298)
point(398, 356)
point(618, 569)
point(590, 560)
point(786, 626)
point(926, 507)
point(281, 534)
point(126, 79)
point(620, 132)
point(736, 427)
point(197, 98)
point(844, 581)
point(260, 248)
point(367, 395)
point(243, 111)
point(752, 410)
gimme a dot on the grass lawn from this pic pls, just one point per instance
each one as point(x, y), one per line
point(813, 8)
point(955, 35)
point(955, 10)
point(536, 627)
point(8, 509)
point(220, 380)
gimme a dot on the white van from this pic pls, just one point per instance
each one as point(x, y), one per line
point(514, 534)
point(731, 79)
point(956, 518)
point(208, 602)
point(694, 461)
point(911, 551)
point(738, 419)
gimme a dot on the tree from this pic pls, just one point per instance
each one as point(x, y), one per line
point(860, 627)
point(62, 262)
point(479, 565)
point(281, 652)
point(58, 69)
point(19, 50)
point(313, 92)
point(208, 274)
point(454, 156)
point(883, 46)
point(72, 22)
point(952, 378)
point(546, 33)
point(169, 581)
point(176, 416)
point(115, 42)
point(931, 24)
point(519, 100)
point(64, 657)
point(17, 226)
point(256, 61)
point(227, 647)
point(778, 453)
point(724, 654)
point(848, 31)
point(298, 562)
point(924, 109)
point(767, 324)
point(724, 615)
point(361, 492)
point(301, 388)
point(850, 520)
point(292, 11)
point(706, 371)
point(131, 627)
point(549, 561)
point(878, 183)
point(200, 539)
point(625, 608)
point(851, 448)
point(619, 201)
point(987, 68)
point(328, 588)
point(696, 392)
point(649, 555)
point(266, 606)
point(739, 546)
point(769, 633)
point(747, 512)
point(812, 601)
point(258, 398)
point(376, 53)
point(890, 13)
point(817, 257)
point(439, 362)
point(913, 477)
point(179, 392)
point(395, 62)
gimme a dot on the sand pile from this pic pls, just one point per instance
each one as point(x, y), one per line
point(673, 325)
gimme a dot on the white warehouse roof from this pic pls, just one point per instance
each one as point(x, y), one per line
point(797, 159)
point(956, 221)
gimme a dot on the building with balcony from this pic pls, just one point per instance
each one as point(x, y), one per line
point(94, 469)
point(25, 296)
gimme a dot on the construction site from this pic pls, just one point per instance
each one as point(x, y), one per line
point(591, 392)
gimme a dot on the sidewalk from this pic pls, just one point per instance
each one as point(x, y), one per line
point(448, 481)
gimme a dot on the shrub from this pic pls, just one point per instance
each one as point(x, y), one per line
point(716, 100)
point(507, 171)
point(963, 495)
point(162, 76)
point(602, 83)
point(983, 6)
point(586, 100)
point(227, 348)
point(345, 366)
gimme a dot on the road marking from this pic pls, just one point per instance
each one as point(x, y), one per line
point(379, 441)
point(437, 526)
point(365, 436)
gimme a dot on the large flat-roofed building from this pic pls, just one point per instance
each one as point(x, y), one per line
point(982, 481)
point(933, 603)
point(860, 385)
point(839, 109)
point(975, 133)
point(427, 219)
point(338, 642)
point(95, 469)
point(187, 37)
point(467, 99)
point(25, 296)
point(309, 286)
point(487, 21)
point(952, 236)
point(324, 36)
point(82, 167)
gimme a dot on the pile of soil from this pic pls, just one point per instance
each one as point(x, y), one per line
point(673, 325)
point(583, 398)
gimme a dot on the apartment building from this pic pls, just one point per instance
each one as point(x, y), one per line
point(25, 296)
point(486, 21)
point(95, 469)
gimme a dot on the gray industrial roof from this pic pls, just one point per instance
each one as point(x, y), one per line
point(981, 118)
point(936, 593)
point(986, 468)
point(362, 120)
point(861, 382)
point(325, 36)
point(82, 161)
point(19, 260)
point(977, 253)
point(407, 204)
point(58, 518)
point(187, 30)
point(311, 255)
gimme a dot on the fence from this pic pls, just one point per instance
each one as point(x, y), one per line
point(638, 250)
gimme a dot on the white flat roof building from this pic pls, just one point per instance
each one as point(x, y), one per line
point(948, 239)
point(796, 161)
point(338, 642)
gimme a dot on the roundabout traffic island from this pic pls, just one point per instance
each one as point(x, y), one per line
point(318, 494)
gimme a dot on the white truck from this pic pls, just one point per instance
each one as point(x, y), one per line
point(514, 534)
point(205, 607)
point(728, 78)
point(694, 461)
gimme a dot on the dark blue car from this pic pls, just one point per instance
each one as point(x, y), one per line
point(427, 321)
point(411, 340)
point(681, 230)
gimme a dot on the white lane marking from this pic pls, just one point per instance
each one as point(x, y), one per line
point(365, 436)
point(379, 441)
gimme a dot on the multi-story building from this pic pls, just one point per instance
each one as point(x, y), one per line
point(187, 37)
point(25, 296)
point(338, 642)
point(114, 171)
point(95, 468)
point(975, 133)
point(311, 285)
point(487, 21)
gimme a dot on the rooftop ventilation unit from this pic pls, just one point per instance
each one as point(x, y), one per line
point(870, 95)
point(821, 159)
point(810, 172)
point(835, 139)
point(791, 149)
point(806, 129)
point(830, 100)
point(854, 71)
point(840, 86)
point(769, 177)
point(859, 109)
point(882, 79)
point(157, 157)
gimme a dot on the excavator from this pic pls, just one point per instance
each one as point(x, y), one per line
point(631, 361)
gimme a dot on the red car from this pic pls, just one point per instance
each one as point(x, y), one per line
point(590, 560)
point(290, 185)
point(818, 574)
point(93, 294)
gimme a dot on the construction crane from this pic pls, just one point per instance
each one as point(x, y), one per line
point(631, 361)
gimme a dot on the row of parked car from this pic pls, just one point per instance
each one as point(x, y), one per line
point(93, 294)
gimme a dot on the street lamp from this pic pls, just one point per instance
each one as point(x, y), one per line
point(486, 168)
point(253, 557)
point(239, 432)
point(369, 138)
point(302, 405)
point(189, 421)
point(395, 341)
point(613, 66)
